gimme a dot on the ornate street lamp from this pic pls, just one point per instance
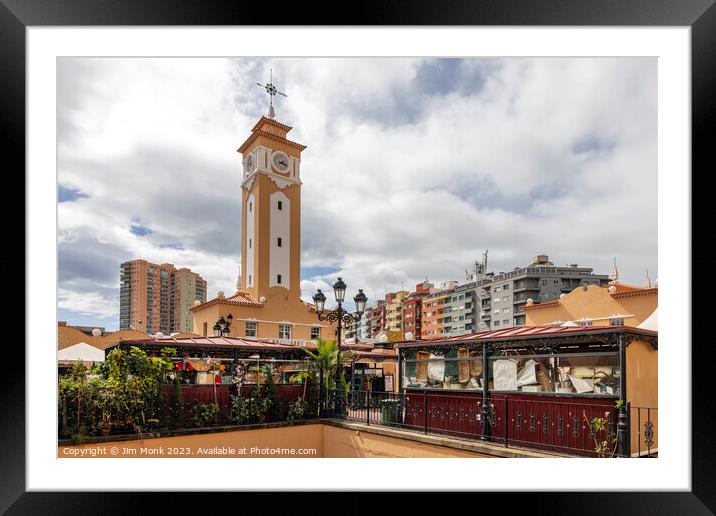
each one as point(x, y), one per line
point(223, 326)
point(341, 317)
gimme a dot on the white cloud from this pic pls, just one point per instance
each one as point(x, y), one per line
point(413, 166)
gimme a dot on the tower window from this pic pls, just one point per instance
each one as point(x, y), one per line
point(278, 279)
point(280, 241)
point(251, 206)
point(280, 205)
point(250, 243)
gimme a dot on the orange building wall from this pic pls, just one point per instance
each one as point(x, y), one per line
point(594, 302)
point(268, 317)
point(642, 389)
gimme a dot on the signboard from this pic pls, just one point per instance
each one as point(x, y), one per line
point(368, 372)
point(388, 382)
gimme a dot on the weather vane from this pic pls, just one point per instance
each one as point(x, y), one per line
point(272, 91)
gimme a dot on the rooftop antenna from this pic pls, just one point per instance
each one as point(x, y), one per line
point(272, 92)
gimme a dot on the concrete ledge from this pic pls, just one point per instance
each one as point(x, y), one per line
point(186, 431)
point(483, 447)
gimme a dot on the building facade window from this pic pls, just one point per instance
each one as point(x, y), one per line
point(284, 331)
point(251, 329)
point(585, 323)
point(315, 332)
point(280, 241)
point(616, 322)
point(280, 205)
point(278, 279)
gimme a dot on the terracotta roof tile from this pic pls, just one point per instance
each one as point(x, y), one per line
point(548, 304)
point(635, 292)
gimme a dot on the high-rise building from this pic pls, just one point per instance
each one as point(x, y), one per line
point(502, 297)
point(157, 297)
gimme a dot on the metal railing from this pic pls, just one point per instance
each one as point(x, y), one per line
point(571, 426)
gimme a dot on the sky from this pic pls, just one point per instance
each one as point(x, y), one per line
point(413, 168)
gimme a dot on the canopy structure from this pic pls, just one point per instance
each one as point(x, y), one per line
point(651, 322)
point(81, 351)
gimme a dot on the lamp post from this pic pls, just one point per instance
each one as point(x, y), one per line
point(341, 317)
point(223, 326)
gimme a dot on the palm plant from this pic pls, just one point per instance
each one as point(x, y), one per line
point(327, 358)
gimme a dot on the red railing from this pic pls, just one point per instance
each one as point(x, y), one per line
point(572, 425)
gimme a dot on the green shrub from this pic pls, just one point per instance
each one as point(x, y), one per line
point(204, 414)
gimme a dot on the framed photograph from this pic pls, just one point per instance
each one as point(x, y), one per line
point(473, 205)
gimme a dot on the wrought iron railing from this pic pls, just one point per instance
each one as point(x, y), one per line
point(570, 426)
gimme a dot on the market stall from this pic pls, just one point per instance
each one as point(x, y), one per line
point(533, 386)
point(209, 369)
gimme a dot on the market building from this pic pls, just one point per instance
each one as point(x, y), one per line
point(540, 387)
point(267, 303)
point(618, 304)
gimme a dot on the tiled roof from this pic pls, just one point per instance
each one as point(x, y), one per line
point(238, 299)
point(265, 120)
point(548, 304)
point(270, 136)
point(525, 332)
point(244, 298)
point(635, 292)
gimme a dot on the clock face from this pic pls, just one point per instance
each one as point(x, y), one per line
point(280, 161)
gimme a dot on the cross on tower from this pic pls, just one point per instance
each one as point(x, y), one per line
point(272, 91)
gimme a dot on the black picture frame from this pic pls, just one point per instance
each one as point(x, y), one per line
point(700, 15)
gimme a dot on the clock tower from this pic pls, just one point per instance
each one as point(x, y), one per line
point(271, 212)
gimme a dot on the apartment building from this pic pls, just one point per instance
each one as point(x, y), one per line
point(433, 317)
point(157, 297)
point(377, 318)
point(502, 297)
point(394, 311)
point(460, 310)
point(412, 309)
